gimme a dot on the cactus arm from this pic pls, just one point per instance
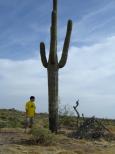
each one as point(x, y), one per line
point(63, 59)
point(43, 55)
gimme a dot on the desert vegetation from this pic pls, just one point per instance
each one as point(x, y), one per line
point(40, 140)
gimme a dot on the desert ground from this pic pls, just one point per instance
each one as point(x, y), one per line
point(14, 140)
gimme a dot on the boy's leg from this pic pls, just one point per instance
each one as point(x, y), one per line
point(27, 123)
point(31, 122)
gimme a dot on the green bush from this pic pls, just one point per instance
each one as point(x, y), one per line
point(3, 124)
point(43, 136)
point(68, 121)
point(3, 117)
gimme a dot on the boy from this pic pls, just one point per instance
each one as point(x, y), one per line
point(30, 112)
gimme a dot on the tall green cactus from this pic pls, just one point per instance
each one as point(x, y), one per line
point(53, 66)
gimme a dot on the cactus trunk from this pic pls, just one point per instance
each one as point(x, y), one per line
point(53, 66)
point(53, 97)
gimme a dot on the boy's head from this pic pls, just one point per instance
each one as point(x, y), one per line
point(32, 98)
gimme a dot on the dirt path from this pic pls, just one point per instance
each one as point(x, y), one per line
point(9, 137)
point(12, 137)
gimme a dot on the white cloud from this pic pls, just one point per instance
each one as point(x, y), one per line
point(19, 80)
point(88, 75)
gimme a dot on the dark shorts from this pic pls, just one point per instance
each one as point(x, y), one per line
point(29, 122)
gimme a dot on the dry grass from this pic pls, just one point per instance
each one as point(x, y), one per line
point(63, 145)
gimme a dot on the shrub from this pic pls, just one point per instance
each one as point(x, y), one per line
point(68, 121)
point(3, 124)
point(42, 136)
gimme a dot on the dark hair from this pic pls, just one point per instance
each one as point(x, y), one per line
point(32, 97)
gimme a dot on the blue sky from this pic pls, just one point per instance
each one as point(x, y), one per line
point(26, 22)
point(89, 74)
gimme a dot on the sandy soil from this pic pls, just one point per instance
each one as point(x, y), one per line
point(15, 142)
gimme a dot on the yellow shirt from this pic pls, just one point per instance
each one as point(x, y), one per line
point(30, 109)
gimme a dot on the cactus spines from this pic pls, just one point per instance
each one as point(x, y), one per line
point(53, 66)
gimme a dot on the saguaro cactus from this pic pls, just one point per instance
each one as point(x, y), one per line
point(53, 66)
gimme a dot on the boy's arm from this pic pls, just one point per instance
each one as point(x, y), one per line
point(26, 108)
point(35, 109)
